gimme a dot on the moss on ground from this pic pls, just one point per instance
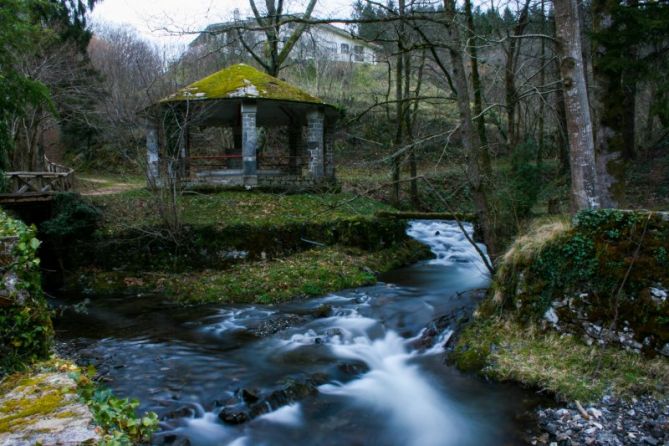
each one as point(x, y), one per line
point(218, 229)
point(139, 208)
point(57, 389)
point(310, 273)
point(561, 364)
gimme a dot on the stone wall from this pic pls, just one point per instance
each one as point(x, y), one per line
point(289, 182)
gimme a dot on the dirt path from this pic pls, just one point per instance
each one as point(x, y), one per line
point(98, 186)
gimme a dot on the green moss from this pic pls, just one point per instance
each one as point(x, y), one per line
point(310, 273)
point(37, 398)
point(605, 263)
point(239, 81)
point(214, 226)
point(139, 209)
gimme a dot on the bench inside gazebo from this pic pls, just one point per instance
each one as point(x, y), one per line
point(241, 127)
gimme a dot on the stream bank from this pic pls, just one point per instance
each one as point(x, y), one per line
point(578, 309)
point(268, 248)
point(311, 372)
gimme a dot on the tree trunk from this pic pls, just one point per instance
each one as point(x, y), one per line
point(470, 139)
point(476, 84)
point(542, 83)
point(510, 76)
point(584, 191)
point(399, 108)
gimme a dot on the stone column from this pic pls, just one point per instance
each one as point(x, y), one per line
point(183, 152)
point(249, 143)
point(315, 143)
point(329, 152)
point(152, 155)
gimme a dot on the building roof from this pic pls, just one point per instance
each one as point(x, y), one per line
point(215, 28)
point(238, 82)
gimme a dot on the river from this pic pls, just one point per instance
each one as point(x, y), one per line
point(351, 368)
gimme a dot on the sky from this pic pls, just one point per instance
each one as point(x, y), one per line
point(174, 22)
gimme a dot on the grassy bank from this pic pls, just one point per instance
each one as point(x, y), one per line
point(138, 208)
point(234, 246)
point(578, 308)
point(310, 273)
point(561, 364)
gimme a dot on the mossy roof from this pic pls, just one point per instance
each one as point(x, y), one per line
point(241, 81)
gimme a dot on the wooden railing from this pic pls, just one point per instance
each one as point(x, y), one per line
point(55, 178)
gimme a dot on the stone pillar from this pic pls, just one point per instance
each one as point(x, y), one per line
point(183, 152)
point(152, 155)
point(249, 143)
point(329, 152)
point(294, 148)
point(315, 143)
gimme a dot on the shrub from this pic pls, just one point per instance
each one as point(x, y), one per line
point(25, 325)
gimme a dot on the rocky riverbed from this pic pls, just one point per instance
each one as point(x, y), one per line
point(610, 422)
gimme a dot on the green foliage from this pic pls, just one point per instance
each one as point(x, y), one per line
point(263, 225)
point(116, 416)
point(525, 184)
point(74, 218)
point(25, 325)
point(605, 265)
point(17, 91)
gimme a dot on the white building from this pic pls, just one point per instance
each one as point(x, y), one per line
point(321, 41)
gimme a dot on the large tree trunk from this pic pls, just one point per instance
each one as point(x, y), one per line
point(478, 179)
point(584, 190)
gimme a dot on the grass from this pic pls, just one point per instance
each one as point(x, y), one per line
point(560, 364)
point(309, 273)
point(138, 208)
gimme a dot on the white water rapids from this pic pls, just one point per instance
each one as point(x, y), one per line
point(375, 358)
point(393, 388)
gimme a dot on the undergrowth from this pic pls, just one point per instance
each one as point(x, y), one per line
point(561, 364)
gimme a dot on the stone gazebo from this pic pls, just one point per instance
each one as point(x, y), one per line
point(249, 105)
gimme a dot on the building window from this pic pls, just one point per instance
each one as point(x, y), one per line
point(358, 53)
point(345, 48)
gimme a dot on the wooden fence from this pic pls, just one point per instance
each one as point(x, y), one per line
point(55, 178)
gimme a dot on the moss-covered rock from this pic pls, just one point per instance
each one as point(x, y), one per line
point(44, 408)
point(25, 324)
point(605, 275)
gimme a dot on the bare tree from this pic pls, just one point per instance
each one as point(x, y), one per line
point(273, 55)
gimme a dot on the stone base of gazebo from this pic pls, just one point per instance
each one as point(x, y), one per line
point(264, 180)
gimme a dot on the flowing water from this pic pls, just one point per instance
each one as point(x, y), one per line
point(373, 374)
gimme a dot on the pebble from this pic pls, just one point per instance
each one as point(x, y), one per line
point(642, 421)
